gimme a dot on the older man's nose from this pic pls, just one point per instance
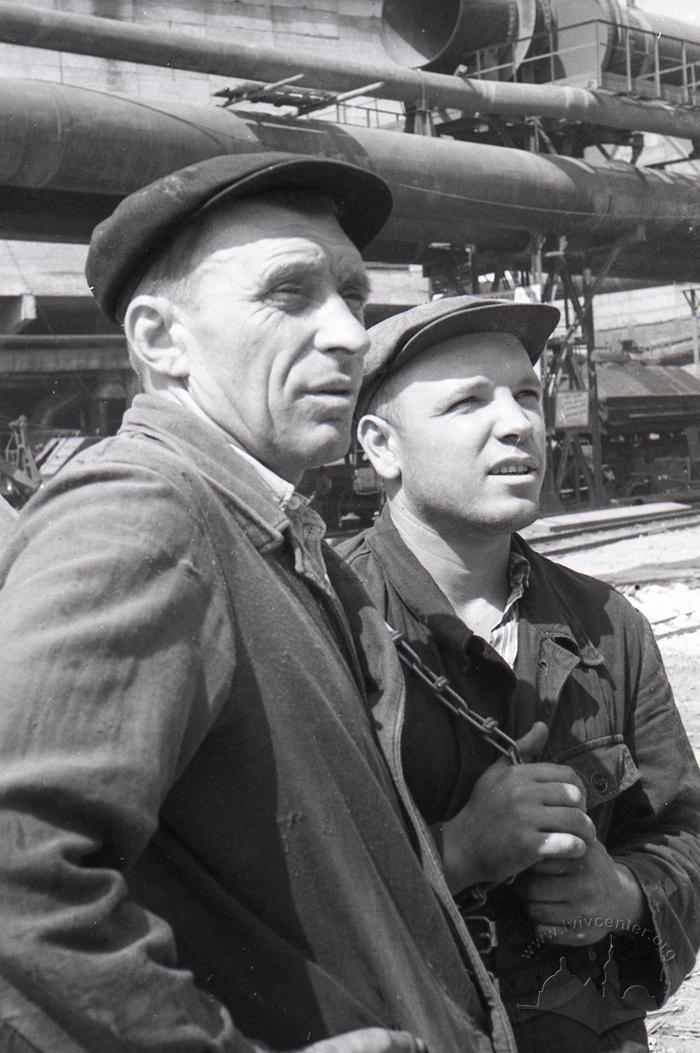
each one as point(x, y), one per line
point(339, 328)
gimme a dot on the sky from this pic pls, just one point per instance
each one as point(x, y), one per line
point(685, 10)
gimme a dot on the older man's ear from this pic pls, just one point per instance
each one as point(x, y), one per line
point(155, 338)
point(378, 440)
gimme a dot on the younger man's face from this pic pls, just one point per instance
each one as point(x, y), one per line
point(469, 434)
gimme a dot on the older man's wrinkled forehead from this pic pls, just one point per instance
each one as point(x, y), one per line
point(215, 234)
point(270, 218)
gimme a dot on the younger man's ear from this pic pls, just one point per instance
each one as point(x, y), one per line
point(376, 437)
point(154, 339)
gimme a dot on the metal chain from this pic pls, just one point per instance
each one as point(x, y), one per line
point(446, 694)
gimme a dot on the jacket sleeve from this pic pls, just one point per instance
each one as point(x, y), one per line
point(116, 653)
point(656, 824)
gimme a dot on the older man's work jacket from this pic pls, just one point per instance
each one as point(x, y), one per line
point(201, 843)
point(588, 666)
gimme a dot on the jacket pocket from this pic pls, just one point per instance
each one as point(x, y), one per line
point(604, 765)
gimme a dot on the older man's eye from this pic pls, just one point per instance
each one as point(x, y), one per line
point(289, 289)
point(290, 293)
point(354, 297)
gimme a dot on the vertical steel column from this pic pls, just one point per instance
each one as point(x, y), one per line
point(657, 68)
point(691, 296)
point(588, 332)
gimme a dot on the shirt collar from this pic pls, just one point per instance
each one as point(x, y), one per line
point(282, 489)
point(306, 528)
point(419, 592)
point(518, 578)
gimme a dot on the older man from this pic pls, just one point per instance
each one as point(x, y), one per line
point(602, 823)
point(201, 844)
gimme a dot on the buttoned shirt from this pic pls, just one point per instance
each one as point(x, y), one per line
point(504, 635)
point(306, 528)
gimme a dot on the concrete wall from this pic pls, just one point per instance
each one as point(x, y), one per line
point(317, 25)
point(321, 25)
point(658, 320)
point(640, 307)
point(55, 270)
point(54, 275)
point(651, 317)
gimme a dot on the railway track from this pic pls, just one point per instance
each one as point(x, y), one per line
point(666, 590)
point(579, 537)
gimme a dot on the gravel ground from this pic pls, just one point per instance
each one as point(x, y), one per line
point(676, 1028)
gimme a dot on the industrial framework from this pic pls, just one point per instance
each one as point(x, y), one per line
point(499, 124)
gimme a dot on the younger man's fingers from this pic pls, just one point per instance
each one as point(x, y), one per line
point(565, 846)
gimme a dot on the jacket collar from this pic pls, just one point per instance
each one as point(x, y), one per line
point(418, 591)
point(551, 610)
point(206, 447)
point(552, 640)
point(546, 607)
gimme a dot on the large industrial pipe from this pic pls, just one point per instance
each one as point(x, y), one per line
point(625, 41)
point(598, 33)
point(108, 38)
point(646, 37)
point(439, 35)
point(67, 155)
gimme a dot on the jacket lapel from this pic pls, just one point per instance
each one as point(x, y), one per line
point(236, 481)
point(552, 641)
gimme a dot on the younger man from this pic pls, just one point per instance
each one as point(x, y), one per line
point(601, 826)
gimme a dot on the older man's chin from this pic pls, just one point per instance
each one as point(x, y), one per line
point(329, 441)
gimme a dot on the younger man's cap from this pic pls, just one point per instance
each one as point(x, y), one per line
point(126, 244)
point(396, 340)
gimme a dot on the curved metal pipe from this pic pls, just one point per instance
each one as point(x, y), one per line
point(67, 144)
point(632, 40)
point(677, 42)
point(437, 36)
point(108, 38)
point(415, 35)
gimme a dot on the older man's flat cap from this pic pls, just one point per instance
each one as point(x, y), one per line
point(127, 243)
point(396, 340)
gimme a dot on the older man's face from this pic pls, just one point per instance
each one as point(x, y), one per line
point(274, 333)
point(469, 435)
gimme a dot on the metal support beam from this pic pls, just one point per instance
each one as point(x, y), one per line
point(565, 455)
point(588, 332)
point(20, 479)
point(692, 297)
point(590, 288)
point(24, 356)
point(16, 312)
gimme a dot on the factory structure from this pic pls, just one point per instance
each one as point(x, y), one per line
point(537, 149)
